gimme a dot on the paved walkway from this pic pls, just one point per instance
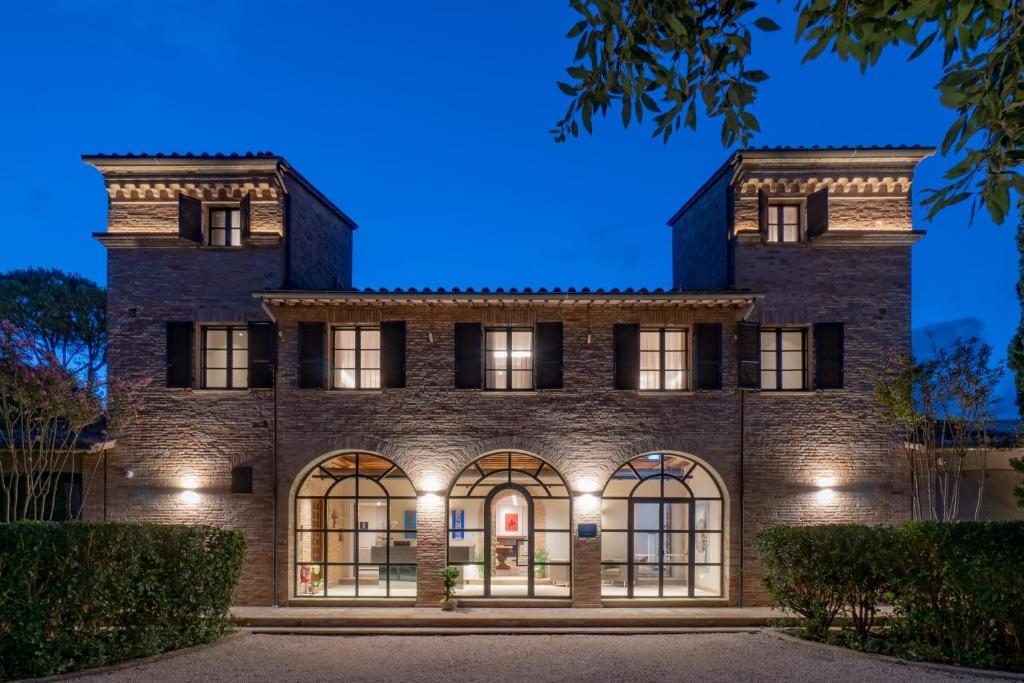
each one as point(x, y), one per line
point(760, 656)
point(505, 616)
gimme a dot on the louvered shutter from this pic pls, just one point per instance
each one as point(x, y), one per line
point(244, 217)
point(748, 352)
point(817, 213)
point(708, 338)
point(828, 355)
point(392, 354)
point(468, 337)
point(262, 339)
point(190, 218)
point(180, 348)
point(626, 341)
point(311, 355)
point(762, 213)
point(549, 355)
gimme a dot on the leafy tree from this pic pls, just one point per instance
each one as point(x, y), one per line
point(63, 314)
point(1015, 356)
point(665, 56)
point(941, 408)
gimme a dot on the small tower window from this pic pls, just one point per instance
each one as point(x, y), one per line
point(225, 228)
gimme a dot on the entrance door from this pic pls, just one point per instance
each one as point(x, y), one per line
point(509, 542)
point(660, 547)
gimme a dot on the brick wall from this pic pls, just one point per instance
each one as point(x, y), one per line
point(700, 239)
point(320, 244)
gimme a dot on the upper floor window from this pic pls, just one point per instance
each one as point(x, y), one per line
point(783, 359)
point(225, 357)
point(356, 357)
point(783, 223)
point(225, 227)
point(663, 359)
point(508, 354)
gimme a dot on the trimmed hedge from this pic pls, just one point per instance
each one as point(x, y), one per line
point(78, 595)
point(956, 589)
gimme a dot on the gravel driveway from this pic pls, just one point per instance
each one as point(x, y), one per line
point(533, 658)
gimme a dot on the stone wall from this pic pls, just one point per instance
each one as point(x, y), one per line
point(320, 245)
point(700, 239)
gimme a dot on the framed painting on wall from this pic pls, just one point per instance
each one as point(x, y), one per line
point(511, 522)
point(458, 522)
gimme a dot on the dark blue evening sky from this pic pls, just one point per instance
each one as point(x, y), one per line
point(427, 123)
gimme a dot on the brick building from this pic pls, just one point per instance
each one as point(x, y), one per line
point(561, 447)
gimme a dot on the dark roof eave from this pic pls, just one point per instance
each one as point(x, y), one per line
point(735, 298)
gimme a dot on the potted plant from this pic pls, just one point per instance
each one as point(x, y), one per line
point(540, 559)
point(448, 576)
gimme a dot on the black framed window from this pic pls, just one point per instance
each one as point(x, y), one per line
point(508, 358)
point(663, 359)
point(225, 227)
point(783, 223)
point(225, 357)
point(355, 530)
point(783, 359)
point(509, 518)
point(662, 521)
point(356, 357)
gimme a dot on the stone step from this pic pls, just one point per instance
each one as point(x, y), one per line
point(460, 630)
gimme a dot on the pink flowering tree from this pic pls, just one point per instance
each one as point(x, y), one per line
point(44, 410)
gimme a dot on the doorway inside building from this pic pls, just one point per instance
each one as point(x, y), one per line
point(508, 529)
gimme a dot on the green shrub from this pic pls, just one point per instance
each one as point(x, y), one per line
point(78, 595)
point(820, 572)
point(956, 589)
point(960, 593)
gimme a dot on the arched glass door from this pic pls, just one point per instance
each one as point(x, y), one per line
point(355, 530)
point(508, 528)
point(662, 521)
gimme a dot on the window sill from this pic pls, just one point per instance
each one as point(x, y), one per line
point(667, 392)
point(231, 392)
point(355, 392)
point(776, 392)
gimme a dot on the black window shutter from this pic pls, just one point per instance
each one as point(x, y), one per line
point(180, 347)
point(244, 211)
point(549, 355)
point(817, 213)
point(261, 355)
point(311, 355)
point(748, 351)
point(762, 212)
point(190, 218)
point(626, 341)
point(828, 355)
point(241, 480)
point(468, 337)
point(708, 338)
point(392, 354)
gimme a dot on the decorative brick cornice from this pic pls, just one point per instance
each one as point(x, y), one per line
point(839, 185)
point(206, 191)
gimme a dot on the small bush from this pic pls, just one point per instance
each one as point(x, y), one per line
point(79, 595)
point(960, 593)
point(821, 571)
point(956, 589)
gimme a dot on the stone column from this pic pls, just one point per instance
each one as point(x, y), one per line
point(586, 552)
point(430, 549)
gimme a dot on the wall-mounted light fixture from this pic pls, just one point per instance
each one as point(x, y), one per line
point(189, 483)
point(825, 493)
point(430, 336)
point(129, 474)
